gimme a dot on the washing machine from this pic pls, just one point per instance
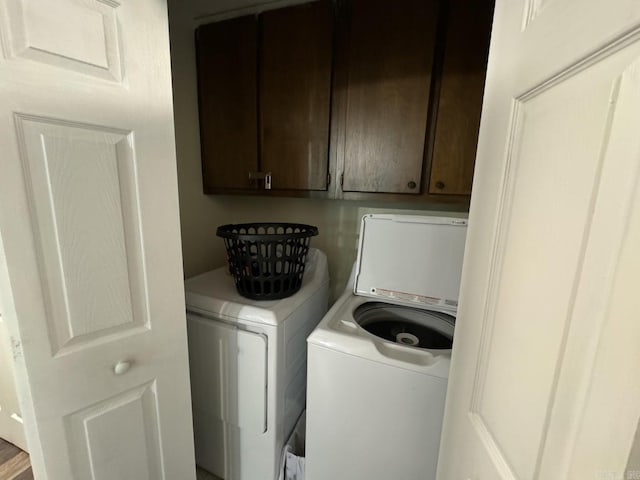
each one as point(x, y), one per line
point(248, 369)
point(378, 362)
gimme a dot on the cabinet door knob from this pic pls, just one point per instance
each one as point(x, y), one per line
point(412, 184)
point(440, 184)
point(122, 367)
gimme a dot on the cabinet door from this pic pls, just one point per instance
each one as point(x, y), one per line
point(227, 64)
point(295, 93)
point(390, 57)
point(460, 100)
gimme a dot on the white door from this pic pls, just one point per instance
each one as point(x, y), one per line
point(544, 382)
point(92, 289)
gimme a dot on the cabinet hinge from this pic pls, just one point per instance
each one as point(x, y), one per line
point(328, 179)
point(16, 348)
point(342, 179)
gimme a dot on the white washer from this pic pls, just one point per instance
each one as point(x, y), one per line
point(378, 362)
point(248, 369)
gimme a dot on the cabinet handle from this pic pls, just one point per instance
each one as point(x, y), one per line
point(262, 176)
point(440, 184)
point(412, 185)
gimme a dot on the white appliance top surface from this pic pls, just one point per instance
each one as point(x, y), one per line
point(340, 332)
point(411, 260)
point(214, 293)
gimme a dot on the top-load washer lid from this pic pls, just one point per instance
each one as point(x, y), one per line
point(411, 260)
point(214, 293)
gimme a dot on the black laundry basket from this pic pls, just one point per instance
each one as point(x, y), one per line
point(267, 259)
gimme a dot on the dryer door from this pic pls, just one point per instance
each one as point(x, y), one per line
point(228, 372)
point(228, 390)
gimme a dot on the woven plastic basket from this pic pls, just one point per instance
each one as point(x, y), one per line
point(267, 260)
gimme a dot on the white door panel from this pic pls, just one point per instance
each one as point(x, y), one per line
point(33, 30)
point(84, 191)
point(536, 366)
point(107, 439)
point(89, 227)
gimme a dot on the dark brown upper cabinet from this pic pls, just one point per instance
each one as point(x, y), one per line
point(468, 28)
point(387, 65)
point(348, 99)
point(264, 86)
point(227, 72)
point(295, 95)
point(407, 96)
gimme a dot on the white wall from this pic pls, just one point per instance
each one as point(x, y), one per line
point(338, 221)
point(11, 428)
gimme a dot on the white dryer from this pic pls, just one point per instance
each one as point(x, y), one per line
point(378, 362)
point(248, 369)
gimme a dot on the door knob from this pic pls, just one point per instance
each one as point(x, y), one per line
point(122, 367)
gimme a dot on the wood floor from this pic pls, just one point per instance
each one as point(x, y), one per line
point(202, 475)
point(14, 463)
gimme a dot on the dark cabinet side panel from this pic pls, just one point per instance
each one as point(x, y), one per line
point(460, 101)
point(390, 57)
point(227, 65)
point(295, 94)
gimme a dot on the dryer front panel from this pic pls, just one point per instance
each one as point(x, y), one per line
point(228, 373)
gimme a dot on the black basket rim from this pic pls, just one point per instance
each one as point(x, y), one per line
point(225, 231)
